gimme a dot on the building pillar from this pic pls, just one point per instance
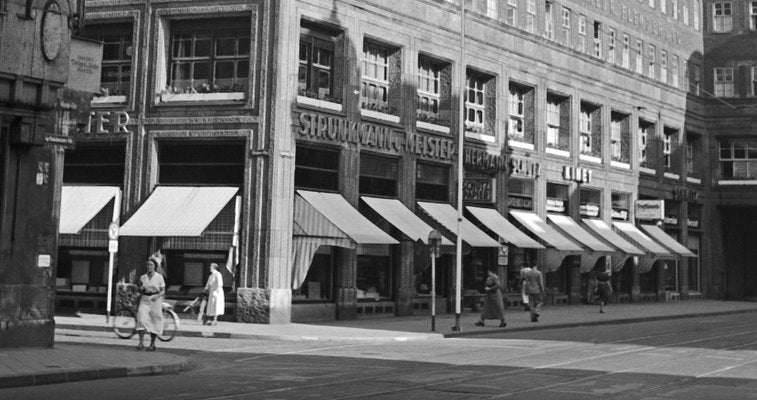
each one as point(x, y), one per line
point(405, 284)
point(346, 294)
point(574, 279)
point(683, 264)
point(635, 289)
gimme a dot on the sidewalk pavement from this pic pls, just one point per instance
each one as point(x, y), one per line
point(67, 362)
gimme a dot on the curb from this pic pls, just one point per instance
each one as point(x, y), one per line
point(591, 323)
point(76, 375)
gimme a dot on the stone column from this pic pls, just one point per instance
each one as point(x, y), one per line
point(635, 289)
point(574, 279)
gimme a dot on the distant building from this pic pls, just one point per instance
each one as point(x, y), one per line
point(318, 141)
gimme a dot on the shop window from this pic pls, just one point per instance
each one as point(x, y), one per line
point(590, 203)
point(208, 59)
point(670, 275)
point(722, 18)
point(480, 97)
point(318, 283)
point(316, 168)
point(201, 162)
point(558, 122)
point(620, 137)
point(723, 82)
point(590, 131)
point(738, 159)
point(672, 213)
point(95, 164)
point(380, 78)
point(521, 110)
point(115, 74)
point(315, 74)
point(621, 206)
point(557, 198)
point(431, 182)
point(378, 175)
point(433, 91)
point(694, 269)
point(374, 273)
point(646, 149)
point(520, 194)
point(187, 272)
point(82, 270)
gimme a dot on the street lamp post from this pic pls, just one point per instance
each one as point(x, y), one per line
point(434, 242)
point(460, 140)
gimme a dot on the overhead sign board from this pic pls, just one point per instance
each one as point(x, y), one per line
point(650, 209)
point(85, 65)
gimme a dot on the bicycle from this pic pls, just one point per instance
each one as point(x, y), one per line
point(125, 319)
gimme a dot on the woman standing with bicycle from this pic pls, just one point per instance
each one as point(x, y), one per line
point(150, 312)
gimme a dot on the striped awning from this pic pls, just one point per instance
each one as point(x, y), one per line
point(658, 234)
point(446, 215)
point(571, 227)
point(502, 227)
point(80, 204)
point(605, 231)
point(402, 218)
point(178, 211)
point(545, 232)
point(642, 240)
point(329, 215)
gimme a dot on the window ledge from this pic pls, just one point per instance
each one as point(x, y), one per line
point(591, 159)
point(318, 103)
point(673, 176)
point(380, 116)
point(745, 182)
point(108, 100)
point(619, 164)
point(693, 180)
point(480, 136)
point(648, 171)
point(432, 127)
point(557, 152)
point(520, 145)
point(200, 97)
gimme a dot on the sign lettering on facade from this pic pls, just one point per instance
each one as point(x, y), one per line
point(482, 160)
point(650, 209)
point(342, 130)
point(478, 189)
point(525, 168)
point(580, 175)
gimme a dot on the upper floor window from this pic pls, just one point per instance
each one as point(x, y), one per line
point(558, 122)
point(581, 46)
point(669, 140)
point(646, 150)
point(753, 15)
point(521, 107)
point(664, 6)
point(611, 46)
point(210, 56)
point(479, 98)
point(316, 168)
point(722, 18)
point(693, 155)
point(663, 66)
point(566, 27)
point(651, 62)
point(115, 75)
point(315, 75)
point(619, 137)
point(590, 130)
point(511, 13)
point(651, 3)
point(431, 182)
point(639, 56)
point(685, 12)
point(696, 78)
point(696, 16)
point(429, 90)
point(738, 159)
point(723, 82)
point(557, 198)
point(531, 16)
point(377, 89)
point(548, 21)
point(585, 131)
point(754, 81)
point(674, 71)
point(597, 39)
point(378, 175)
point(626, 52)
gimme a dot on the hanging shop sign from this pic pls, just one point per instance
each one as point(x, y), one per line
point(478, 189)
point(482, 160)
point(378, 137)
point(580, 175)
point(524, 168)
point(650, 209)
point(85, 64)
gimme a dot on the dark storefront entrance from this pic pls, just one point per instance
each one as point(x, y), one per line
point(739, 237)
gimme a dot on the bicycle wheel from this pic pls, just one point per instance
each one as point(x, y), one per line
point(170, 325)
point(125, 323)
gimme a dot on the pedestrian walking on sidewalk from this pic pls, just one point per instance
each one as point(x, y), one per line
point(494, 307)
point(535, 288)
point(216, 301)
point(152, 286)
point(604, 288)
point(523, 290)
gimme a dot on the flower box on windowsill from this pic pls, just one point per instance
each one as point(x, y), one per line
point(745, 182)
point(380, 116)
point(619, 164)
point(557, 152)
point(648, 171)
point(108, 100)
point(691, 179)
point(671, 175)
point(432, 127)
point(480, 136)
point(590, 158)
point(200, 97)
point(520, 145)
point(318, 103)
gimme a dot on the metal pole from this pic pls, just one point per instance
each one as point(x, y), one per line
point(460, 140)
point(111, 256)
point(433, 291)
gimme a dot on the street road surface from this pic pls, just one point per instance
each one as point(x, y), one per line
point(708, 358)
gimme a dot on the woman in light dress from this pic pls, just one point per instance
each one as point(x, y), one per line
point(216, 301)
point(152, 285)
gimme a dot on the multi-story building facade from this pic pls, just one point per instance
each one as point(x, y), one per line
point(336, 124)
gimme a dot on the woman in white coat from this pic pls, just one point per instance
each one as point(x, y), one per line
point(216, 301)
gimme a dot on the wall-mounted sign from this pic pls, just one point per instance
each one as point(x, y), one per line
point(482, 160)
point(107, 122)
point(524, 167)
point(316, 126)
point(520, 203)
point(650, 209)
point(478, 189)
point(580, 175)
